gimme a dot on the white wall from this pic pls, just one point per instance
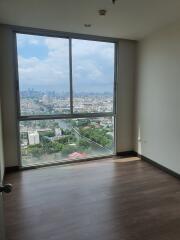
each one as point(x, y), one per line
point(125, 95)
point(158, 98)
point(7, 86)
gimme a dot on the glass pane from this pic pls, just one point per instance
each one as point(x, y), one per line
point(45, 141)
point(93, 76)
point(43, 66)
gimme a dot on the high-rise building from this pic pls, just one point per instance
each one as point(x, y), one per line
point(33, 138)
point(58, 132)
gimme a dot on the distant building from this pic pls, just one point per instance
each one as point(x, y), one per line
point(58, 132)
point(33, 138)
point(45, 99)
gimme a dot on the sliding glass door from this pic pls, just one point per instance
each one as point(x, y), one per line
point(66, 98)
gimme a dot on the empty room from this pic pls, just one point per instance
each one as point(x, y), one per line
point(89, 120)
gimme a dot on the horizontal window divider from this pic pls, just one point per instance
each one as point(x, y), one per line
point(66, 116)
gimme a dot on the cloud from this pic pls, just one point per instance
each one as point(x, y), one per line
point(93, 64)
point(24, 39)
point(34, 41)
point(95, 49)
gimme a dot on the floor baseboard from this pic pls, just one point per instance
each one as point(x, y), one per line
point(121, 154)
point(161, 167)
point(127, 154)
point(11, 169)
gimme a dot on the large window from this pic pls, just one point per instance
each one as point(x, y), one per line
point(66, 98)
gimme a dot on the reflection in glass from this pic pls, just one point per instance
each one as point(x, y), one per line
point(45, 141)
point(93, 76)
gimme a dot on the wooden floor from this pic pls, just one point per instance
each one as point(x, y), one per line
point(98, 200)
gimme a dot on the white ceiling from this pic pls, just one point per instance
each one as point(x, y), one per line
point(132, 19)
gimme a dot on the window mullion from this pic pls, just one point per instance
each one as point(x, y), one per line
point(70, 75)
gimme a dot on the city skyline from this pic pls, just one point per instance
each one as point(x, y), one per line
point(60, 93)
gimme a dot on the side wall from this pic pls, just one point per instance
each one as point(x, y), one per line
point(1, 130)
point(1, 150)
point(7, 86)
point(158, 98)
point(125, 96)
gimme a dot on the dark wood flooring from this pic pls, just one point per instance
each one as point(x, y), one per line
point(107, 199)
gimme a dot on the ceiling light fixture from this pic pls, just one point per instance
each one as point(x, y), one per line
point(87, 25)
point(102, 12)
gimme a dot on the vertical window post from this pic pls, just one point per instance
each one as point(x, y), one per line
point(70, 75)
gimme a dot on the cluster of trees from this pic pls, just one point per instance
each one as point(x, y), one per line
point(47, 124)
point(66, 145)
point(70, 142)
point(98, 135)
point(80, 122)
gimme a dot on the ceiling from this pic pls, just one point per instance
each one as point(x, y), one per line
point(131, 19)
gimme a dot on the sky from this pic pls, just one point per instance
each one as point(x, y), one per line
point(43, 64)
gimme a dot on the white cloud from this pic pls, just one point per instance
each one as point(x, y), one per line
point(91, 61)
point(24, 40)
point(83, 48)
point(33, 41)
